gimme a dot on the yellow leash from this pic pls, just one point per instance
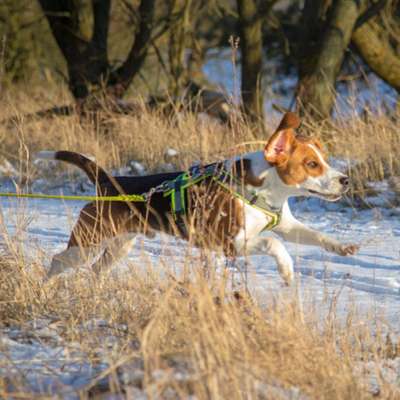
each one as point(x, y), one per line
point(125, 198)
point(274, 216)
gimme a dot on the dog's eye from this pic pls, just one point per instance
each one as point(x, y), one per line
point(312, 164)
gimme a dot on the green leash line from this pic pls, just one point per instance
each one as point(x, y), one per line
point(124, 198)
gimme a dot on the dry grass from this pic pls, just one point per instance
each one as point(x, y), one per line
point(116, 139)
point(369, 144)
point(229, 346)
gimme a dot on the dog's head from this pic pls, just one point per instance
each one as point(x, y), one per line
point(302, 163)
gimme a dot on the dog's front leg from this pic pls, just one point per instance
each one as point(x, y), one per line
point(274, 248)
point(294, 231)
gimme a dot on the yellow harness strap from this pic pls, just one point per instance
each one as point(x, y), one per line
point(275, 216)
point(125, 198)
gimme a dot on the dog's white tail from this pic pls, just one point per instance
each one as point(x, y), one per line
point(46, 155)
point(95, 173)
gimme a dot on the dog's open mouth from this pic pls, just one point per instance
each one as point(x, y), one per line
point(326, 196)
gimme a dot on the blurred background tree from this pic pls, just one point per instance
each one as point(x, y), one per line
point(23, 38)
point(164, 48)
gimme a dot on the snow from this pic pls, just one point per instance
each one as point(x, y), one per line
point(367, 284)
point(171, 152)
point(372, 276)
point(37, 359)
point(45, 368)
point(137, 168)
point(369, 281)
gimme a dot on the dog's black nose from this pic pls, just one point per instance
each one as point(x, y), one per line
point(344, 180)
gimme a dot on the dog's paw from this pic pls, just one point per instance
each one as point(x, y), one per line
point(348, 249)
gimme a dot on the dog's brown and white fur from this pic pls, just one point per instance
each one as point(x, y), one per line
point(288, 166)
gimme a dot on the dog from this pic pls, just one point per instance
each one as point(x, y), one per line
point(215, 216)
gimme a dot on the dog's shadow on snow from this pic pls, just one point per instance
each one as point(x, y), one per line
point(353, 261)
point(373, 284)
point(360, 283)
point(309, 265)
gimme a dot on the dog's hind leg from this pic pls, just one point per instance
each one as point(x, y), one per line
point(71, 258)
point(117, 248)
point(95, 224)
point(77, 256)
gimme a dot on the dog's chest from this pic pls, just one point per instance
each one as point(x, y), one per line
point(255, 222)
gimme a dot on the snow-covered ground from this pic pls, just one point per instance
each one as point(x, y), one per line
point(368, 281)
point(367, 284)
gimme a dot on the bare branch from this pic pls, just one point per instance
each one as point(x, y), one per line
point(371, 12)
point(124, 74)
point(374, 47)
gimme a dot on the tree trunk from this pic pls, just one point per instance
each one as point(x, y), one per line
point(251, 60)
point(179, 32)
point(87, 61)
point(318, 71)
point(124, 75)
point(374, 47)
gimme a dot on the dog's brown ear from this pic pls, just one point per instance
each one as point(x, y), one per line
point(289, 121)
point(279, 147)
point(280, 144)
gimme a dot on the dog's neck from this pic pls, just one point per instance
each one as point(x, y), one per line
point(274, 191)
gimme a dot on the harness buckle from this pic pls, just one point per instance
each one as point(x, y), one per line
point(253, 200)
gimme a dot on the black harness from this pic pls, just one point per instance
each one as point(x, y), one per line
point(176, 189)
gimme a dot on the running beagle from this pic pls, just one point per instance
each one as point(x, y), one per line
point(215, 215)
